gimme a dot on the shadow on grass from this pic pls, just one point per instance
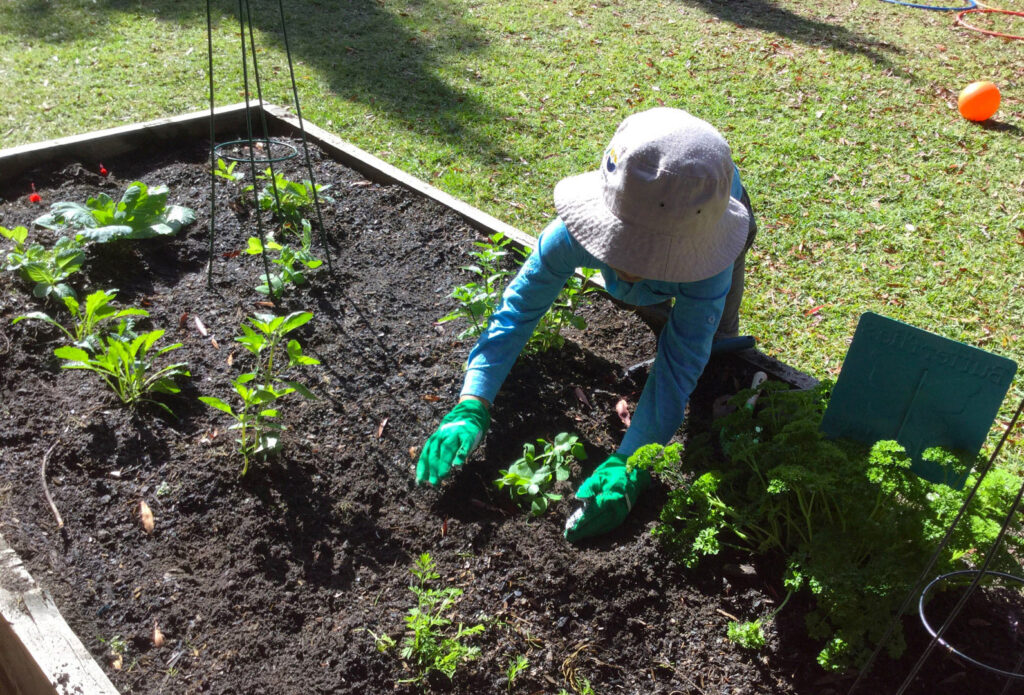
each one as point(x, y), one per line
point(365, 51)
point(765, 15)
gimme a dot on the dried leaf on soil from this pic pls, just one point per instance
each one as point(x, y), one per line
point(381, 426)
point(158, 636)
point(201, 327)
point(583, 398)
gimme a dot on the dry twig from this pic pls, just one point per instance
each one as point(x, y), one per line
point(46, 490)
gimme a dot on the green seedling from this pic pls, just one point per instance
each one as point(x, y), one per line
point(260, 389)
point(85, 331)
point(142, 213)
point(287, 199)
point(128, 366)
point(430, 642)
point(564, 312)
point(479, 299)
point(287, 259)
point(516, 665)
point(227, 171)
point(530, 478)
point(750, 634)
point(48, 269)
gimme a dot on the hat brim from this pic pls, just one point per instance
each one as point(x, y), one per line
point(651, 254)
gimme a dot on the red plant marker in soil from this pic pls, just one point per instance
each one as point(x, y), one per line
point(103, 170)
point(33, 196)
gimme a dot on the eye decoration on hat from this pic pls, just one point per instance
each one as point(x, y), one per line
point(611, 159)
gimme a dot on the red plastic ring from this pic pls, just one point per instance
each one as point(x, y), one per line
point(960, 20)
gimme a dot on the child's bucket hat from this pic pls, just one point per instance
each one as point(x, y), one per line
point(659, 207)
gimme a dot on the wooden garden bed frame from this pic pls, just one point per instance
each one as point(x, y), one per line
point(39, 653)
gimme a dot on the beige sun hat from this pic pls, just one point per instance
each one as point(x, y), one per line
point(659, 207)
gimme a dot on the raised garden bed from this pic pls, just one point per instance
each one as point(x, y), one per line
point(278, 581)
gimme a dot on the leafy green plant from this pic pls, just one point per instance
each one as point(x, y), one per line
point(85, 330)
point(479, 299)
point(516, 665)
point(531, 477)
point(852, 524)
point(260, 389)
point(128, 366)
point(141, 213)
point(227, 171)
point(49, 269)
point(564, 312)
point(287, 199)
point(430, 643)
point(287, 259)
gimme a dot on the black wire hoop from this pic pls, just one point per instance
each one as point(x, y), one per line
point(291, 151)
point(947, 645)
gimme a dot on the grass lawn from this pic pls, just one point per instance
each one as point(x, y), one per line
point(872, 193)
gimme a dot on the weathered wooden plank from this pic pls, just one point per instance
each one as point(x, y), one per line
point(101, 145)
point(39, 654)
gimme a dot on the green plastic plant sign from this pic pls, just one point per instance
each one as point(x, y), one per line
point(922, 390)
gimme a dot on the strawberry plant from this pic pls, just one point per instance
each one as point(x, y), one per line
point(260, 389)
point(852, 524)
point(87, 318)
point(141, 213)
point(227, 171)
point(48, 269)
point(531, 477)
point(128, 366)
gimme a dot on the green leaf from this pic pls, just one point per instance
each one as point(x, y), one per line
point(217, 403)
point(66, 352)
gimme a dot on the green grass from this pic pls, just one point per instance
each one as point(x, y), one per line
point(872, 193)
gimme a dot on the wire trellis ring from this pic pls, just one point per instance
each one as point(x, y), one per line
point(291, 152)
point(987, 32)
point(937, 8)
point(947, 645)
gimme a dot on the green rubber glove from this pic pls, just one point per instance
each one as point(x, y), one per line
point(608, 496)
point(459, 433)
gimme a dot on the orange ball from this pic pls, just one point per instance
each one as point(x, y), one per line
point(978, 101)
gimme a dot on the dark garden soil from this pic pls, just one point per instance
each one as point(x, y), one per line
point(277, 581)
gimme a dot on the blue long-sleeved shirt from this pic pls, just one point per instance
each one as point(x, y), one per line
point(683, 349)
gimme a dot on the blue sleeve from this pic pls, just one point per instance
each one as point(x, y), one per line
point(683, 351)
point(525, 301)
point(737, 186)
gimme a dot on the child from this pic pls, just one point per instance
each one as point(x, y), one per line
point(664, 218)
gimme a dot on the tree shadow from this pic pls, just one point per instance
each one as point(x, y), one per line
point(361, 48)
point(765, 15)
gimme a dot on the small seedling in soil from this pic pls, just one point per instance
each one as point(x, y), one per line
point(430, 643)
point(287, 199)
point(564, 312)
point(287, 259)
point(259, 432)
point(516, 666)
point(532, 476)
point(85, 331)
point(128, 366)
point(227, 171)
point(142, 213)
point(47, 268)
point(478, 300)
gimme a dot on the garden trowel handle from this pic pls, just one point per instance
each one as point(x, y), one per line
point(759, 378)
